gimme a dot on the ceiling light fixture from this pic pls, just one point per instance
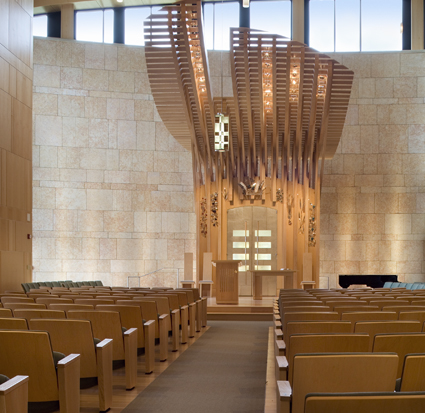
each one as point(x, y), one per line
point(245, 3)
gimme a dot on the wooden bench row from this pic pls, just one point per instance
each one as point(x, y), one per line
point(337, 360)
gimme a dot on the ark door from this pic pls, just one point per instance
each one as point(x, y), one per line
point(251, 238)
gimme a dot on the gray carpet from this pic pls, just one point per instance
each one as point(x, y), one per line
point(224, 371)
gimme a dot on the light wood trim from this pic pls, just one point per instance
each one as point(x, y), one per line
point(163, 337)
point(184, 311)
point(198, 315)
point(69, 384)
point(284, 397)
point(175, 323)
point(14, 395)
point(104, 373)
point(192, 318)
point(149, 328)
point(130, 350)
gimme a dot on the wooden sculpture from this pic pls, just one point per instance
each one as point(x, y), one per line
point(285, 117)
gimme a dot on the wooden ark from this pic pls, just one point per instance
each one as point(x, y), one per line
point(285, 117)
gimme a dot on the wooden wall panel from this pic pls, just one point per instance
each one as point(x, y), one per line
point(3, 178)
point(22, 129)
point(4, 22)
point(22, 243)
point(4, 75)
point(24, 89)
point(16, 183)
point(20, 33)
point(12, 268)
point(15, 142)
point(5, 121)
point(4, 238)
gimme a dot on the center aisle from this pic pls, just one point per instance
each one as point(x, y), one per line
point(223, 372)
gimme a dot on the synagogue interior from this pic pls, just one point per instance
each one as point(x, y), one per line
point(217, 162)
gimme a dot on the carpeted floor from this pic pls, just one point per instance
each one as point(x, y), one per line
point(223, 372)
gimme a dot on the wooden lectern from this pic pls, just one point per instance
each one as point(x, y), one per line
point(226, 279)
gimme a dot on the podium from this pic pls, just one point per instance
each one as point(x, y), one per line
point(227, 290)
point(258, 281)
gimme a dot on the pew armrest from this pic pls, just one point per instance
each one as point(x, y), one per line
point(14, 395)
point(280, 347)
point(104, 373)
point(163, 337)
point(69, 384)
point(281, 368)
point(284, 395)
point(175, 325)
point(184, 321)
point(149, 330)
point(130, 350)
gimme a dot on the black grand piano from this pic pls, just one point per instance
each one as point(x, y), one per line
point(373, 281)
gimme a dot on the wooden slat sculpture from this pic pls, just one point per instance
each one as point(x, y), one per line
point(285, 117)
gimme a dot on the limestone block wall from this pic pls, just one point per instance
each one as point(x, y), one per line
point(373, 197)
point(112, 190)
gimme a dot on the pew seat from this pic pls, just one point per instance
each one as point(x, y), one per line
point(386, 402)
point(336, 373)
point(33, 356)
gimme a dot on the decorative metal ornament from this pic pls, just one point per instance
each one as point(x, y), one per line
point(225, 194)
point(301, 218)
point(214, 209)
point(250, 188)
point(204, 215)
point(312, 226)
point(290, 205)
point(279, 195)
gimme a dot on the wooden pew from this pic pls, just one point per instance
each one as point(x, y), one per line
point(162, 307)
point(400, 343)
point(201, 307)
point(412, 315)
point(336, 373)
point(389, 303)
point(29, 314)
point(14, 395)
point(16, 299)
point(93, 301)
point(302, 316)
point(182, 304)
point(52, 300)
point(317, 327)
point(33, 357)
point(5, 313)
point(400, 308)
point(365, 402)
point(173, 305)
point(356, 316)
point(16, 306)
point(381, 327)
point(67, 307)
point(318, 343)
point(131, 317)
point(107, 324)
point(76, 336)
point(356, 308)
point(150, 312)
point(13, 324)
point(412, 376)
point(192, 310)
